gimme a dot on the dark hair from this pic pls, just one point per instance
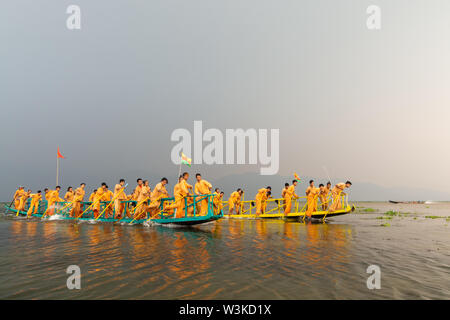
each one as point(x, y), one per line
point(39, 191)
point(104, 184)
point(138, 179)
point(348, 182)
point(82, 184)
point(145, 181)
point(58, 187)
point(222, 192)
point(238, 189)
point(286, 184)
point(69, 188)
point(321, 185)
point(269, 187)
point(165, 179)
point(328, 182)
point(46, 189)
point(184, 173)
point(311, 181)
point(216, 189)
point(269, 193)
point(293, 181)
point(95, 190)
point(121, 180)
point(197, 174)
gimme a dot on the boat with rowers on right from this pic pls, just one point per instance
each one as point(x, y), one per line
point(274, 209)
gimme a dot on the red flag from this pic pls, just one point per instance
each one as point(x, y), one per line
point(59, 154)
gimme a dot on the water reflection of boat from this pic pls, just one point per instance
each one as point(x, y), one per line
point(275, 210)
point(61, 211)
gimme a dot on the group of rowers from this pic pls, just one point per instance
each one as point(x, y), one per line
point(146, 202)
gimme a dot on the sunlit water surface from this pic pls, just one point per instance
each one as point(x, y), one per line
point(228, 259)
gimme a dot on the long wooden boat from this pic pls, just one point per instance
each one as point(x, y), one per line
point(189, 218)
point(275, 209)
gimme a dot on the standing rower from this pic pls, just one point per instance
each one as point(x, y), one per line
point(260, 197)
point(52, 198)
point(119, 196)
point(234, 202)
point(17, 195)
point(336, 193)
point(91, 197)
point(107, 197)
point(159, 192)
point(202, 188)
point(311, 197)
point(98, 197)
point(290, 192)
point(77, 199)
point(34, 205)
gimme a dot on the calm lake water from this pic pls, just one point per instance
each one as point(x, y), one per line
point(229, 259)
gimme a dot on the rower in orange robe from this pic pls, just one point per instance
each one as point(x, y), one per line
point(52, 198)
point(323, 194)
point(234, 202)
point(69, 195)
point(336, 193)
point(158, 193)
point(98, 198)
point(264, 198)
point(17, 195)
point(23, 200)
point(107, 197)
point(144, 195)
point(311, 199)
point(216, 200)
point(180, 197)
point(290, 192)
point(119, 196)
point(260, 196)
point(34, 204)
point(77, 199)
point(220, 207)
point(202, 188)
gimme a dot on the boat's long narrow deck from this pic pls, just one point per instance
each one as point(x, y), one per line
point(315, 215)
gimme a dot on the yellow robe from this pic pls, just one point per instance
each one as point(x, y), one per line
point(336, 193)
point(23, 200)
point(34, 205)
point(158, 193)
point(234, 201)
point(98, 197)
point(69, 196)
point(180, 194)
point(77, 199)
point(203, 188)
point(52, 197)
point(260, 197)
point(311, 199)
point(290, 192)
point(119, 196)
point(17, 195)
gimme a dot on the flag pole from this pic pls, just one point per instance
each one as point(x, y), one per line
point(57, 169)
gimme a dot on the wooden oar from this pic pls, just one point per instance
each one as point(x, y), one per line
point(112, 201)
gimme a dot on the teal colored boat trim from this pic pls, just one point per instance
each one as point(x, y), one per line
point(62, 210)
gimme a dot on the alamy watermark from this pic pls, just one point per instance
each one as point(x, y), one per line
point(374, 281)
point(74, 280)
point(250, 146)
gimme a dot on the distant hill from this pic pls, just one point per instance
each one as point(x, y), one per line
point(360, 191)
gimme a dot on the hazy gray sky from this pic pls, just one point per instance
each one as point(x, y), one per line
point(372, 106)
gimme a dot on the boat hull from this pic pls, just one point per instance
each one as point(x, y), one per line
point(293, 215)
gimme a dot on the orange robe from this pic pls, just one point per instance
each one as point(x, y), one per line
point(290, 192)
point(336, 193)
point(98, 197)
point(203, 188)
point(119, 196)
point(34, 205)
point(77, 199)
point(158, 193)
point(311, 199)
point(17, 195)
point(69, 196)
point(23, 201)
point(234, 201)
point(260, 197)
point(52, 197)
point(323, 195)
